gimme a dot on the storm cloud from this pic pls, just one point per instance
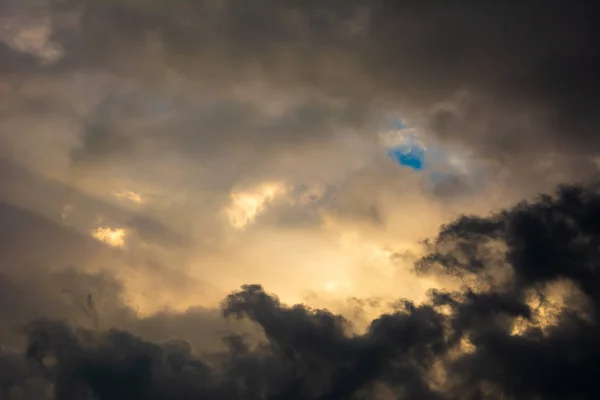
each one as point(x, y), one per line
point(500, 71)
point(192, 191)
point(531, 335)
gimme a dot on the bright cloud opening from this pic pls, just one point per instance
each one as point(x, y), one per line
point(130, 196)
point(112, 237)
point(441, 166)
point(31, 36)
point(337, 286)
point(245, 206)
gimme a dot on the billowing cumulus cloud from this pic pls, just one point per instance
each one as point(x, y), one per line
point(524, 327)
point(281, 199)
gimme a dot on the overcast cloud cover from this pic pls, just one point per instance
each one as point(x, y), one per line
point(317, 199)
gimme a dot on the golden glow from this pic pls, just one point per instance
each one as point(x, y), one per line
point(337, 286)
point(368, 252)
point(130, 196)
point(31, 36)
point(245, 206)
point(112, 237)
point(148, 295)
point(547, 309)
point(466, 346)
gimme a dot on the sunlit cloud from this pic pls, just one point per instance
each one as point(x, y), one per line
point(112, 237)
point(171, 152)
point(368, 252)
point(128, 195)
point(31, 36)
point(547, 306)
point(245, 206)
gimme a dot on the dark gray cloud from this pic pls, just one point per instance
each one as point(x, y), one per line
point(513, 82)
point(206, 95)
point(56, 246)
point(15, 62)
point(309, 353)
point(49, 271)
point(227, 136)
point(83, 212)
point(68, 245)
point(546, 241)
point(527, 70)
point(153, 232)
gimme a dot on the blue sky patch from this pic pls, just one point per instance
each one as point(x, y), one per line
point(440, 166)
point(409, 155)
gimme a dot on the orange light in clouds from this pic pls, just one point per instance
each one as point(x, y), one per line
point(131, 196)
point(245, 206)
point(112, 237)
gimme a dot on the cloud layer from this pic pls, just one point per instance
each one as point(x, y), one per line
point(176, 175)
point(523, 326)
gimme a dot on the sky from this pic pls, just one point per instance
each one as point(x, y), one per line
point(314, 199)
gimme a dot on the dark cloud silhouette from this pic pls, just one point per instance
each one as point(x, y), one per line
point(512, 81)
point(488, 340)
